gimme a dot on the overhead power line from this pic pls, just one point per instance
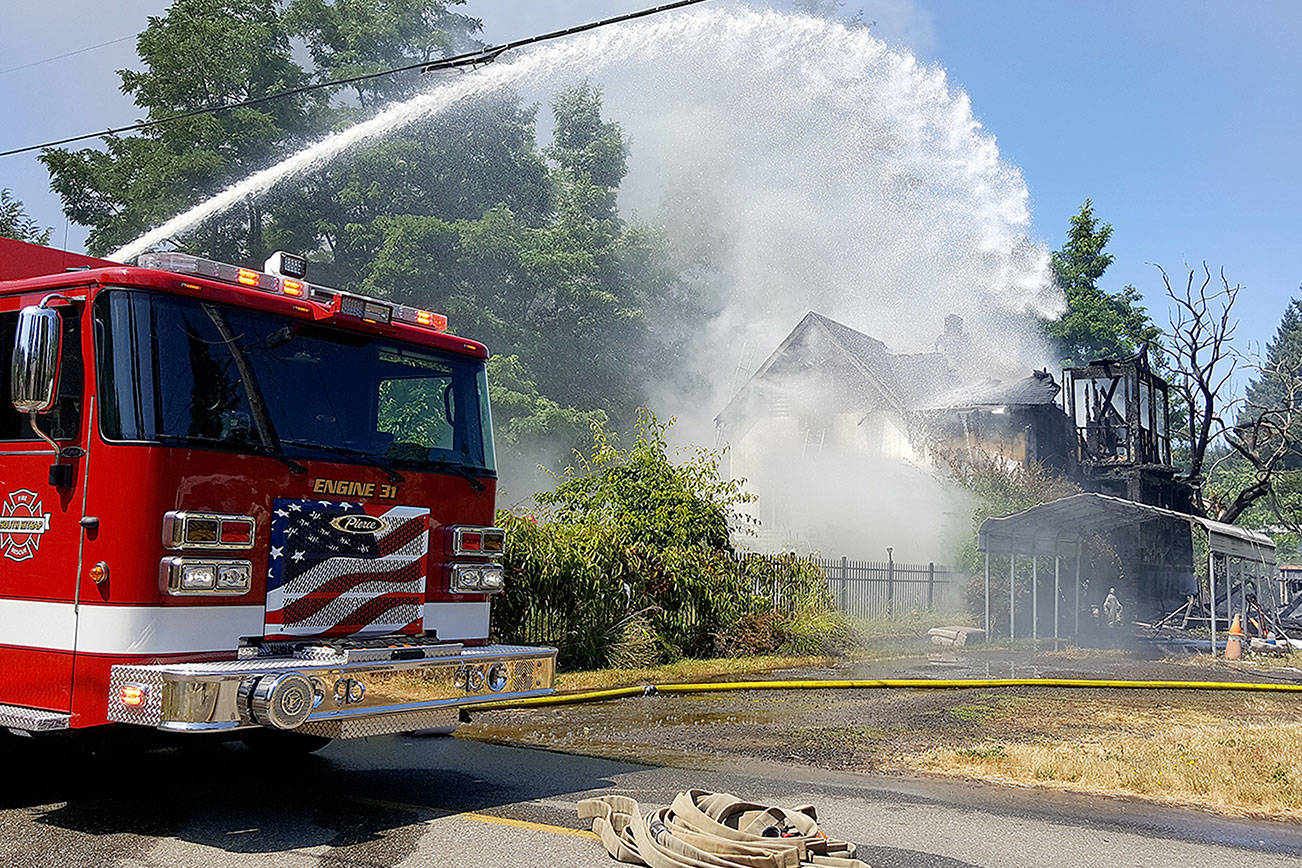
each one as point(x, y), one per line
point(30, 64)
point(468, 59)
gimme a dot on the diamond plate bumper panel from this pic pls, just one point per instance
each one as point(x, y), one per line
point(382, 724)
point(373, 696)
point(32, 719)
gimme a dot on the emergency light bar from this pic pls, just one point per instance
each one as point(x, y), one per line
point(416, 316)
point(287, 271)
point(184, 263)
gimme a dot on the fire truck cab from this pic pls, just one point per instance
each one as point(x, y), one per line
point(234, 500)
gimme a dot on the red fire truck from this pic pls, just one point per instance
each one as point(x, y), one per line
point(234, 500)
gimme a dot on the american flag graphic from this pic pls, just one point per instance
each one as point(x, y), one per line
point(336, 577)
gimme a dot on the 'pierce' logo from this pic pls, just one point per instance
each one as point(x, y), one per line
point(22, 522)
point(359, 523)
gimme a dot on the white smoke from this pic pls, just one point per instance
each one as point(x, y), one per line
point(809, 165)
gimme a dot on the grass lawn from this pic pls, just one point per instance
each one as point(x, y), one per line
point(711, 669)
point(1233, 754)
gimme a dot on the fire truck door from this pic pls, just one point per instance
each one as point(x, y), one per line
point(40, 532)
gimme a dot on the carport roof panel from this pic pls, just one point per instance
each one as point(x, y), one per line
point(1039, 529)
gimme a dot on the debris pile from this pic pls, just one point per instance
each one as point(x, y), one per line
point(1258, 629)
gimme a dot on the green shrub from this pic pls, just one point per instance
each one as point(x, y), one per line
point(627, 562)
point(816, 634)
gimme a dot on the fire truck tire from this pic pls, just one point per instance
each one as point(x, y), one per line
point(270, 741)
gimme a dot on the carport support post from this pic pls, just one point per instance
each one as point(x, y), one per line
point(1035, 597)
point(1229, 597)
point(987, 636)
point(1243, 592)
point(1211, 588)
point(1012, 596)
point(1057, 563)
point(1075, 631)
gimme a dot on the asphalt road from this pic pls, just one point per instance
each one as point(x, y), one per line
point(453, 802)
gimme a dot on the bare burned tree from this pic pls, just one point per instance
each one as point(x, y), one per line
point(1221, 427)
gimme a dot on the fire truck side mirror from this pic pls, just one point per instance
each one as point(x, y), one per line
point(34, 374)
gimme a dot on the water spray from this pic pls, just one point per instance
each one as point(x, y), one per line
point(810, 166)
point(469, 59)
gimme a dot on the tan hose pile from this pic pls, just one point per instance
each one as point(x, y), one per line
point(714, 830)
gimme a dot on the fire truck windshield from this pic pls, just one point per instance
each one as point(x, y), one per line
point(181, 371)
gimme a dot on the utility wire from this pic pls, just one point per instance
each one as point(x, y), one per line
point(66, 54)
point(468, 59)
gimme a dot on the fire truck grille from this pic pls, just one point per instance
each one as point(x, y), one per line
point(344, 569)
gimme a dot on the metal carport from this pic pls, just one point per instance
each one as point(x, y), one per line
point(1058, 529)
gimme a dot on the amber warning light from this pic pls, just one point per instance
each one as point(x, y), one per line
point(133, 694)
point(284, 276)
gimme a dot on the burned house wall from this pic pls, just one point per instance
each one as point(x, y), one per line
point(1014, 435)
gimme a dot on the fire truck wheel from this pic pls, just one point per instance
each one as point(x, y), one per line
point(271, 741)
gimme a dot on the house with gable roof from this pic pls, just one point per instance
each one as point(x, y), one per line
point(832, 410)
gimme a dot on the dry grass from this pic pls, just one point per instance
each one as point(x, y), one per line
point(1079, 652)
point(1253, 662)
point(683, 671)
point(1246, 760)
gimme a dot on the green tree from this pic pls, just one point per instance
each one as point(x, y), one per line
point(522, 246)
point(570, 292)
point(1276, 381)
point(15, 223)
point(1098, 324)
point(355, 37)
point(657, 502)
point(457, 166)
point(628, 561)
point(524, 418)
point(200, 53)
point(590, 152)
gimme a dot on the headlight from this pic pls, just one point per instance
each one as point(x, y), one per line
point(179, 576)
point(492, 578)
point(198, 577)
point(235, 577)
point(477, 578)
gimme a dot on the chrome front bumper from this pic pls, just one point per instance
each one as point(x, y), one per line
point(357, 692)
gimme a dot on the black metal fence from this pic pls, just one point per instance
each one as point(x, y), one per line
point(863, 589)
point(869, 589)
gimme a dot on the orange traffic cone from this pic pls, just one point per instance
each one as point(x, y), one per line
point(1234, 641)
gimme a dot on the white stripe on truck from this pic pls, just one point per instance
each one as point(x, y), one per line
point(140, 630)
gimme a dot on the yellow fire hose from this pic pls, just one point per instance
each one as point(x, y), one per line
point(884, 683)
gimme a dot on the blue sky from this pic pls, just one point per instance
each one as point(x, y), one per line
point(1181, 120)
